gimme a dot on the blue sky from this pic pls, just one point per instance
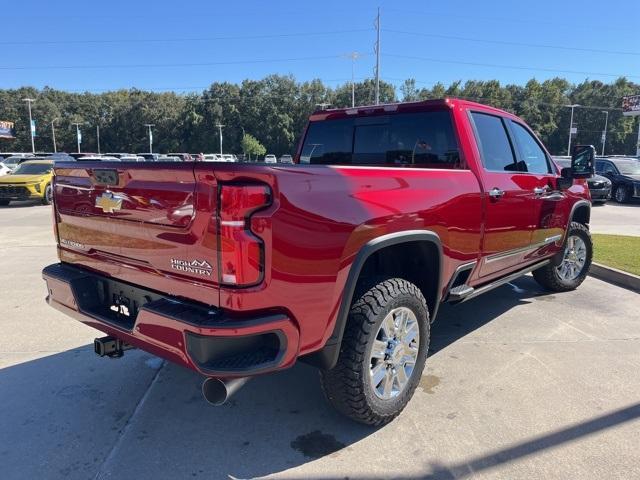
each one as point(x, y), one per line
point(185, 46)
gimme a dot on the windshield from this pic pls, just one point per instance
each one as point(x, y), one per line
point(32, 169)
point(629, 168)
point(12, 160)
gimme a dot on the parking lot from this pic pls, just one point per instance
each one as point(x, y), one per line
point(520, 384)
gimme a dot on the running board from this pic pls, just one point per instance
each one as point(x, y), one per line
point(462, 293)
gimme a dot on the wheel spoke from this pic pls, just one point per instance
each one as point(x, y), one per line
point(378, 373)
point(401, 375)
point(388, 384)
point(388, 326)
point(412, 333)
point(379, 349)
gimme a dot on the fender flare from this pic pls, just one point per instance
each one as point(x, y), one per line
point(327, 356)
point(557, 258)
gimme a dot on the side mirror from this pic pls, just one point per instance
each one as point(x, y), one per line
point(582, 160)
point(566, 179)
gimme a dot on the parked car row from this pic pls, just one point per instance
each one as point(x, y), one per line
point(616, 177)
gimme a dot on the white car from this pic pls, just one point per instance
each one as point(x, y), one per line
point(131, 158)
point(227, 157)
point(270, 159)
point(4, 170)
point(286, 159)
point(13, 161)
point(213, 157)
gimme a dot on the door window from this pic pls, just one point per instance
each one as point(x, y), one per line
point(495, 148)
point(532, 157)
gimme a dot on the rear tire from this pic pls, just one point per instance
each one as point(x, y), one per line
point(621, 195)
point(4, 202)
point(577, 256)
point(380, 365)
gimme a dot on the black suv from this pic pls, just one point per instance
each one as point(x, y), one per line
point(624, 174)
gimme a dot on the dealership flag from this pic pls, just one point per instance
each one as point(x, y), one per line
point(33, 128)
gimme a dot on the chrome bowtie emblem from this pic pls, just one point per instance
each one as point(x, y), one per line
point(109, 202)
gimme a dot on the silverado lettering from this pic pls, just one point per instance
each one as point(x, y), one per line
point(340, 260)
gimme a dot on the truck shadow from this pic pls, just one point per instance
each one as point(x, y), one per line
point(73, 415)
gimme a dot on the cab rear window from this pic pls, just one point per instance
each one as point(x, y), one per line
point(424, 139)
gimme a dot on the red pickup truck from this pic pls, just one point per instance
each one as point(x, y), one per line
point(340, 260)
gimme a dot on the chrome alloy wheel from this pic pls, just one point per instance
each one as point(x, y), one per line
point(394, 353)
point(575, 256)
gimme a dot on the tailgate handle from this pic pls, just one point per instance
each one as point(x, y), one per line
point(106, 177)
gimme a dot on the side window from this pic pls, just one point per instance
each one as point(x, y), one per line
point(599, 167)
point(609, 168)
point(532, 157)
point(493, 141)
point(328, 142)
point(422, 139)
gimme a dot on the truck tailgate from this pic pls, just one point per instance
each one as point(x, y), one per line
point(147, 223)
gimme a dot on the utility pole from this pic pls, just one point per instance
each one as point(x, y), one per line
point(53, 134)
point(98, 137)
point(353, 56)
point(31, 125)
point(572, 106)
point(78, 134)
point(219, 125)
point(604, 132)
point(377, 49)
point(149, 125)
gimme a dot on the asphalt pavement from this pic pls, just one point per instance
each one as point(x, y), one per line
point(616, 219)
point(520, 384)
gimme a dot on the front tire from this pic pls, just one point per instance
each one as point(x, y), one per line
point(4, 202)
point(574, 267)
point(382, 355)
point(621, 195)
point(48, 195)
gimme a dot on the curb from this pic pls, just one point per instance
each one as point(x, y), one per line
point(615, 276)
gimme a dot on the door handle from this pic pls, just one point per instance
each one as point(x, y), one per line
point(540, 190)
point(496, 193)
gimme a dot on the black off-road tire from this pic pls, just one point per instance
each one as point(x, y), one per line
point(348, 385)
point(621, 194)
point(4, 202)
point(548, 276)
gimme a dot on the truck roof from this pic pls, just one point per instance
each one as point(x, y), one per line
point(447, 102)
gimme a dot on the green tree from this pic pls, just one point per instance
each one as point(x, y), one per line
point(251, 146)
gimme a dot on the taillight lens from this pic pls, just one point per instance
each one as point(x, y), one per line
point(241, 251)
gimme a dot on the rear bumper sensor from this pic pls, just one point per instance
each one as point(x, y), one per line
point(204, 338)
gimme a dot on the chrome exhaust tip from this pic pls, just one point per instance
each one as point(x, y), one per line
point(217, 391)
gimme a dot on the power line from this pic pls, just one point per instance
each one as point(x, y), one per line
point(163, 65)
point(178, 40)
point(511, 67)
point(518, 44)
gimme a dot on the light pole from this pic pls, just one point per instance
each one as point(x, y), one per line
point(149, 125)
point(572, 106)
point(219, 125)
point(98, 137)
point(353, 56)
point(31, 129)
point(78, 134)
point(53, 134)
point(604, 132)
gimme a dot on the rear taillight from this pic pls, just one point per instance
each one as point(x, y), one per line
point(241, 252)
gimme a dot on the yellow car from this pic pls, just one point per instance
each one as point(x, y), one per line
point(30, 180)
